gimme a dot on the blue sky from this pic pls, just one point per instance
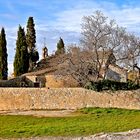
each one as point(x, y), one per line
point(55, 18)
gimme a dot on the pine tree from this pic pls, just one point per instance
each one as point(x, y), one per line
point(31, 40)
point(3, 56)
point(21, 62)
point(60, 47)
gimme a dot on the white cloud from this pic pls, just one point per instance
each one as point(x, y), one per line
point(8, 16)
point(70, 20)
point(127, 17)
point(67, 23)
point(10, 68)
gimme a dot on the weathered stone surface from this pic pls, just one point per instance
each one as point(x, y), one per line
point(65, 98)
point(130, 135)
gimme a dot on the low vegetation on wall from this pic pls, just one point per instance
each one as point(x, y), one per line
point(111, 85)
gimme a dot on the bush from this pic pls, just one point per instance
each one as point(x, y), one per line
point(97, 86)
point(111, 85)
point(132, 85)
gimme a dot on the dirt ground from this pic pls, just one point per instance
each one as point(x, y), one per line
point(41, 113)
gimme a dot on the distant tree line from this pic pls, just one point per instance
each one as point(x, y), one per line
point(26, 54)
point(60, 47)
point(3, 56)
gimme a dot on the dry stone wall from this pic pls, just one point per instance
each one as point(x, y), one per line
point(65, 98)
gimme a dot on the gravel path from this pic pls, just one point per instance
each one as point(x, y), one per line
point(130, 135)
point(41, 113)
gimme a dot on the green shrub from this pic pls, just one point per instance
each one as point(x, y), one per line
point(96, 86)
point(111, 85)
point(132, 85)
point(89, 85)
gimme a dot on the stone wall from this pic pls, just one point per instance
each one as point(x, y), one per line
point(116, 73)
point(65, 98)
point(53, 81)
point(14, 82)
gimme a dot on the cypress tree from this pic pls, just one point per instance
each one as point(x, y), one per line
point(60, 47)
point(21, 62)
point(31, 40)
point(3, 56)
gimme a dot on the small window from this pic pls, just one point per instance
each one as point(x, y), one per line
point(36, 84)
point(36, 79)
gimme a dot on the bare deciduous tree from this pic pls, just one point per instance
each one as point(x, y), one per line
point(101, 36)
point(103, 42)
point(76, 65)
point(99, 39)
point(129, 52)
